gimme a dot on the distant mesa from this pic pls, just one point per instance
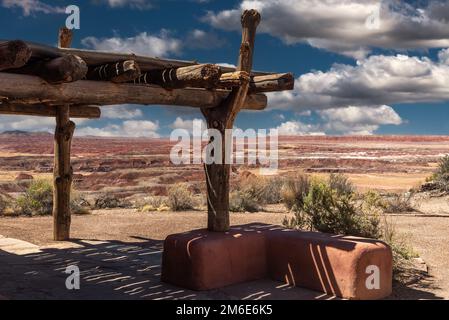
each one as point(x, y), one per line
point(20, 133)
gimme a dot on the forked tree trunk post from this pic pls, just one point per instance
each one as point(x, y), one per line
point(222, 118)
point(63, 171)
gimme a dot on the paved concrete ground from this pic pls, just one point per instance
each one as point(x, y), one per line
point(111, 270)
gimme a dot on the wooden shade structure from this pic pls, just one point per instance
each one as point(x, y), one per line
point(66, 83)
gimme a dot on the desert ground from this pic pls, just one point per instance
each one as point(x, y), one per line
point(121, 248)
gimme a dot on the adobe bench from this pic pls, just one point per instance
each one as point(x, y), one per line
point(347, 267)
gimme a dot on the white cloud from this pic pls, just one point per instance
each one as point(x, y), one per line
point(296, 128)
point(121, 112)
point(347, 121)
point(136, 4)
point(129, 128)
point(375, 81)
point(32, 6)
point(341, 26)
point(30, 123)
point(358, 120)
point(143, 44)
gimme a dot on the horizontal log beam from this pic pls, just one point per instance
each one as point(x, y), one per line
point(197, 76)
point(119, 72)
point(41, 110)
point(29, 88)
point(97, 58)
point(68, 68)
point(258, 84)
point(13, 54)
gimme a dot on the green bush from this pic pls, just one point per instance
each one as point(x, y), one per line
point(240, 201)
point(294, 191)
point(37, 199)
point(340, 184)
point(330, 210)
point(441, 175)
point(398, 203)
point(110, 201)
point(5, 203)
point(264, 190)
point(180, 197)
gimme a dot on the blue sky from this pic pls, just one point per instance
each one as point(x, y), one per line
point(352, 78)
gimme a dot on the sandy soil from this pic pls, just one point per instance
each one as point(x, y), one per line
point(428, 236)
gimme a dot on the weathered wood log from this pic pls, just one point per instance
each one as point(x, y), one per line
point(25, 88)
point(197, 76)
point(97, 58)
point(87, 112)
point(63, 69)
point(119, 72)
point(65, 37)
point(222, 119)
point(63, 174)
point(14, 54)
point(259, 84)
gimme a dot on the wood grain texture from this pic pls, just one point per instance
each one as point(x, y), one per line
point(76, 111)
point(25, 88)
point(62, 174)
point(14, 54)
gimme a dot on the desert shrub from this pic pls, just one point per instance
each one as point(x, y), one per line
point(155, 203)
point(5, 203)
point(110, 201)
point(340, 184)
point(441, 176)
point(398, 203)
point(240, 201)
point(329, 210)
point(37, 199)
point(78, 203)
point(294, 190)
point(180, 197)
point(264, 190)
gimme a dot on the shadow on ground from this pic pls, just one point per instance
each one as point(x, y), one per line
point(123, 270)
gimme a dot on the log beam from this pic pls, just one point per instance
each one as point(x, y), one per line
point(119, 72)
point(222, 119)
point(259, 84)
point(63, 173)
point(64, 69)
point(197, 76)
point(97, 58)
point(87, 112)
point(14, 54)
point(65, 37)
point(25, 88)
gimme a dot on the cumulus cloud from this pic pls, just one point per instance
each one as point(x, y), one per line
point(121, 112)
point(136, 4)
point(375, 81)
point(29, 123)
point(129, 128)
point(347, 121)
point(30, 7)
point(350, 27)
point(143, 43)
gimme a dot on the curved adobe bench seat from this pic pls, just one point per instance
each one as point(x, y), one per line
point(347, 267)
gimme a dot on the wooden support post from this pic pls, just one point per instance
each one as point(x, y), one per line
point(62, 173)
point(14, 54)
point(221, 119)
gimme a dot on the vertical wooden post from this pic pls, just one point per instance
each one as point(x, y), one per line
point(222, 118)
point(62, 171)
